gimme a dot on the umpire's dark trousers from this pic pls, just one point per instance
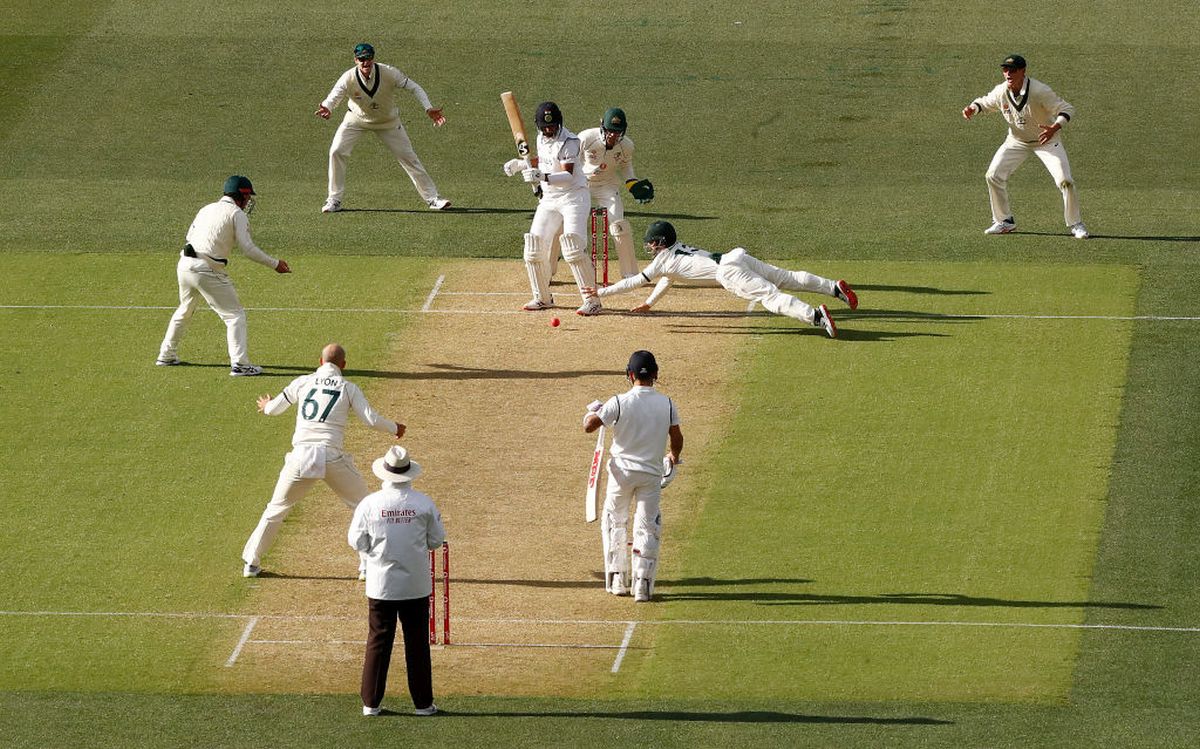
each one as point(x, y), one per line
point(413, 614)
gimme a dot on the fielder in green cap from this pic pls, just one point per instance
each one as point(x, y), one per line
point(369, 90)
point(608, 165)
point(202, 272)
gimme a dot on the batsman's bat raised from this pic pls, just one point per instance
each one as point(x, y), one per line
point(590, 509)
point(517, 126)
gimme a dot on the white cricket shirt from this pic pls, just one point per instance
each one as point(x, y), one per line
point(679, 261)
point(396, 527)
point(324, 400)
point(603, 165)
point(553, 156)
point(371, 102)
point(640, 421)
point(1035, 105)
point(218, 227)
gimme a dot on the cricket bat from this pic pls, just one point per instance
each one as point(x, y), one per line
point(517, 126)
point(590, 509)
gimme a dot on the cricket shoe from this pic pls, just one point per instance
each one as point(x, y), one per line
point(822, 320)
point(641, 590)
point(331, 206)
point(251, 570)
point(167, 361)
point(371, 712)
point(426, 711)
point(438, 204)
point(1079, 231)
point(616, 585)
point(590, 307)
point(245, 370)
point(537, 305)
point(1002, 227)
point(842, 291)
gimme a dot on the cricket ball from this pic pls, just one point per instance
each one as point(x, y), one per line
point(555, 322)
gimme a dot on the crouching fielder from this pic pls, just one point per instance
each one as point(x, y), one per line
point(736, 270)
point(641, 421)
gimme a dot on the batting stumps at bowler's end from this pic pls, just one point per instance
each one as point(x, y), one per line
point(433, 635)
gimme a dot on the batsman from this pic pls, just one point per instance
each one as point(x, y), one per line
point(642, 421)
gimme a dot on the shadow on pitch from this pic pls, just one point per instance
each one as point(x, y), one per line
point(455, 372)
point(928, 290)
point(737, 716)
point(1136, 238)
point(844, 334)
point(917, 599)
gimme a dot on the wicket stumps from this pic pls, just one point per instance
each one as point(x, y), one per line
point(600, 216)
point(433, 637)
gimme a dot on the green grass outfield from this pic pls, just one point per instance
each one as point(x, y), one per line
point(882, 524)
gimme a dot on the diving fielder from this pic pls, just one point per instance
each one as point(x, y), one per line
point(641, 420)
point(1035, 115)
point(736, 270)
point(564, 206)
point(323, 403)
point(608, 165)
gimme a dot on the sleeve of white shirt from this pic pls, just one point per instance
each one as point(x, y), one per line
point(241, 229)
point(674, 414)
point(436, 533)
point(1055, 105)
point(416, 90)
point(629, 173)
point(649, 273)
point(660, 288)
point(990, 102)
point(337, 94)
point(610, 412)
point(365, 413)
point(282, 402)
point(358, 536)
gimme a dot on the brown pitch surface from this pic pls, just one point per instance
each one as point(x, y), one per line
point(493, 400)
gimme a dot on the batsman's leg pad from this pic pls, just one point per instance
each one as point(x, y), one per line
point(615, 538)
point(537, 267)
point(622, 234)
point(574, 251)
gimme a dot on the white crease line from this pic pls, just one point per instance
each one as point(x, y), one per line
point(750, 306)
point(242, 642)
point(432, 294)
point(864, 314)
point(624, 647)
point(485, 293)
point(559, 645)
point(661, 622)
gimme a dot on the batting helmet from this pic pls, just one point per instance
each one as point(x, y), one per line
point(364, 51)
point(614, 120)
point(548, 113)
point(660, 233)
point(238, 185)
point(642, 364)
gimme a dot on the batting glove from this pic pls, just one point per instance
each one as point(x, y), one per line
point(532, 175)
point(515, 166)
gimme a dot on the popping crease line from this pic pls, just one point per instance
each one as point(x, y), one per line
point(432, 294)
point(399, 311)
point(605, 622)
point(241, 642)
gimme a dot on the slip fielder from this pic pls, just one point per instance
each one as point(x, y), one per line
point(1035, 115)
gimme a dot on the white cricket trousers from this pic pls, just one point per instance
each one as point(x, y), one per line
point(197, 280)
point(396, 140)
point(340, 475)
point(566, 213)
point(752, 279)
point(642, 490)
point(1011, 154)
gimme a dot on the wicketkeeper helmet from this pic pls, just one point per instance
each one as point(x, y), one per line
point(614, 120)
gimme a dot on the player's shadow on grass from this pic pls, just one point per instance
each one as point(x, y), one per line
point(455, 372)
point(268, 369)
point(1138, 238)
point(737, 716)
point(844, 334)
point(929, 290)
point(450, 210)
point(917, 599)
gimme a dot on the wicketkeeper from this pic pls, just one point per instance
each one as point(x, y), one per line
point(641, 420)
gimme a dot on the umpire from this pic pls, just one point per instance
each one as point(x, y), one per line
point(396, 527)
